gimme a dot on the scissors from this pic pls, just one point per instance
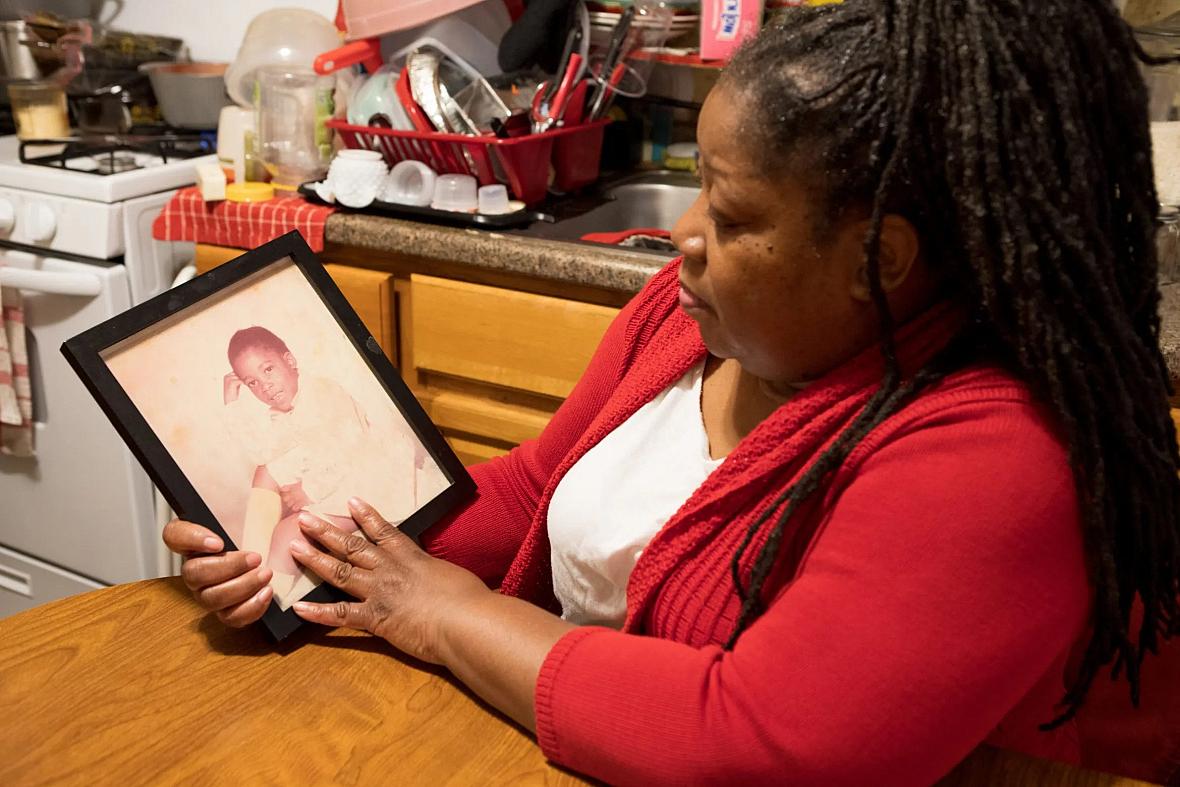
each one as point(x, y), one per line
point(547, 112)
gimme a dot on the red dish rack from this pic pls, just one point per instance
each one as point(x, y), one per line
point(520, 163)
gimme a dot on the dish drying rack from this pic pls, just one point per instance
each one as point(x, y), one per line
point(523, 164)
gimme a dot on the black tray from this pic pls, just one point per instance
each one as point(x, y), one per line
point(520, 218)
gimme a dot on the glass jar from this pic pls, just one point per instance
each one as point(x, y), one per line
point(293, 105)
point(39, 109)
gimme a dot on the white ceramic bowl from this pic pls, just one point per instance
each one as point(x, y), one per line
point(356, 177)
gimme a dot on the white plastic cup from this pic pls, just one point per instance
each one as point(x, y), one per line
point(455, 192)
point(410, 183)
point(493, 199)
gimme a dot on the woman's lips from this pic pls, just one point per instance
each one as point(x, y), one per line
point(689, 300)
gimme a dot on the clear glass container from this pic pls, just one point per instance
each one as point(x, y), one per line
point(294, 143)
point(39, 109)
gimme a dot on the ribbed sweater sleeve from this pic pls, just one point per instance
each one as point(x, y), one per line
point(946, 581)
point(485, 535)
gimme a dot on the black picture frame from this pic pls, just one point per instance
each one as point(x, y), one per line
point(84, 353)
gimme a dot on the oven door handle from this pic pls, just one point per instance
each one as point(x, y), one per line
point(51, 282)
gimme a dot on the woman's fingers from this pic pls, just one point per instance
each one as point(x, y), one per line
point(352, 547)
point(353, 579)
point(376, 527)
point(235, 591)
point(187, 538)
point(249, 611)
point(202, 572)
point(341, 613)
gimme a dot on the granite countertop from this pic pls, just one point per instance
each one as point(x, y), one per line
point(604, 267)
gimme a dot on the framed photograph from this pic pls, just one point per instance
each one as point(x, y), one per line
point(253, 393)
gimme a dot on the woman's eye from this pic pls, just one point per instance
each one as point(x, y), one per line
point(721, 222)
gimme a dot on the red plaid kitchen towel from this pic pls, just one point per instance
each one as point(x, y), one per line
point(16, 400)
point(243, 225)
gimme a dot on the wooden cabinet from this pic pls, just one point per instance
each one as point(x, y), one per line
point(490, 364)
point(369, 292)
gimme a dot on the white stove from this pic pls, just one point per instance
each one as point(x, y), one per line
point(81, 514)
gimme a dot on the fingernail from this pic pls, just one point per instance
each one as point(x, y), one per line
point(299, 547)
point(301, 607)
point(212, 544)
point(263, 595)
point(307, 519)
point(253, 560)
point(265, 574)
point(357, 503)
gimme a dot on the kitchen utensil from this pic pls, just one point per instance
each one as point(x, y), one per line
point(548, 113)
point(455, 192)
point(191, 95)
point(283, 36)
point(112, 101)
point(577, 42)
point(39, 109)
point(375, 102)
point(410, 183)
point(493, 199)
point(357, 177)
point(615, 52)
point(293, 105)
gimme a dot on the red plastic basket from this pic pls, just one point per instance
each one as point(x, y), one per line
point(520, 163)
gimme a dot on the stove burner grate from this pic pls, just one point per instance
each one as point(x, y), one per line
point(113, 154)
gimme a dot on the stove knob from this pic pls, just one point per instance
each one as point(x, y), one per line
point(7, 216)
point(42, 224)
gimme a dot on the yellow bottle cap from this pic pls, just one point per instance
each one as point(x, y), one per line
point(249, 192)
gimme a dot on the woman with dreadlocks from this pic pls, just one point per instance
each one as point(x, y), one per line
point(846, 485)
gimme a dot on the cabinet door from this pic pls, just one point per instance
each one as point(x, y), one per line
point(518, 340)
point(369, 292)
point(492, 365)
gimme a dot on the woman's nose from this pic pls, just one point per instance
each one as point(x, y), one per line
point(689, 232)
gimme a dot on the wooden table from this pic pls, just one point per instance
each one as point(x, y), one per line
point(136, 685)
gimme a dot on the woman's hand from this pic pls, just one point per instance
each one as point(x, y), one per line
point(232, 584)
point(405, 596)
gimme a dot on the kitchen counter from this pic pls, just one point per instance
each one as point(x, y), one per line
point(598, 267)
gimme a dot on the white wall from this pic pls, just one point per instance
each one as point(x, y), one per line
point(212, 28)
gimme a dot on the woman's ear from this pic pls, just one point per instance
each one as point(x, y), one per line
point(899, 250)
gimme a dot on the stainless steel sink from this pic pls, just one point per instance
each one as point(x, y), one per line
point(648, 200)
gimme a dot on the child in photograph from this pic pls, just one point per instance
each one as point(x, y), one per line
point(313, 448)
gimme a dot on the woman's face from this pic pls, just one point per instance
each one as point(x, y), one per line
point(763, 290)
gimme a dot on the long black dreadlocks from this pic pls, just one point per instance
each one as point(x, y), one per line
point(1014, 136)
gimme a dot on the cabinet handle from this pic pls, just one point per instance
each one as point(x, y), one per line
point(17, 581)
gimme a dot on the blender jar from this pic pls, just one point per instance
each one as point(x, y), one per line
point(294, 104)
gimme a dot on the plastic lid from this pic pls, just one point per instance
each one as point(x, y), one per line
point(249, 192)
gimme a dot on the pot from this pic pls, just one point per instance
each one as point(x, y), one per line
point(191, 95)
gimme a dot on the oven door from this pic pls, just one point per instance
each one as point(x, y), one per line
point(82, 503)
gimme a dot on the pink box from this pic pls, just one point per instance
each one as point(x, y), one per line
point(725, 24)
point(371, 18)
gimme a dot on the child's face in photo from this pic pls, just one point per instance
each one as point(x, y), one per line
point(271, 376)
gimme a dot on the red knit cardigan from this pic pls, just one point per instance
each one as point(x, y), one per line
point(925, 602)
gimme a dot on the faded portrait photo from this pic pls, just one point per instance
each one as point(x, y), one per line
point(269, 410)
